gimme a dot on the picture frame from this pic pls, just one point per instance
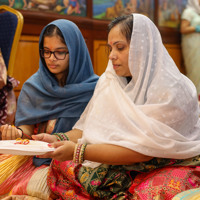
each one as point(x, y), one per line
point(109, 9)
point(63, 7)
point(169, 13)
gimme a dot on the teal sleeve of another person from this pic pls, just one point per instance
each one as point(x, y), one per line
point(197, 28)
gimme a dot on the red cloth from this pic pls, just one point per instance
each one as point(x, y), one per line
point(165, 183)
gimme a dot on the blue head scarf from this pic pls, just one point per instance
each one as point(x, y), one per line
point(42, 99)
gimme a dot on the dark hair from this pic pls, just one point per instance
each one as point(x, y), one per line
point(52, 30)
point(126, 25)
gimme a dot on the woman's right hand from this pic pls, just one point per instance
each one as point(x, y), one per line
point(45, 137)
point(64, 150)
point(9, 132)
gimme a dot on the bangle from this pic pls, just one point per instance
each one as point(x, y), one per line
point(21, 131)
point(79, 151)
point(57, 137)
point(65, 136)
point(81, 156)
point(61, 136)
point(75, 152)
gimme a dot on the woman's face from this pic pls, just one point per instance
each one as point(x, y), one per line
point(57, 67)
point(119, 51)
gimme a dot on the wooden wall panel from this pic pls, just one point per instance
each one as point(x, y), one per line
point(176, 53)
point(100, 59)
point(27, 60)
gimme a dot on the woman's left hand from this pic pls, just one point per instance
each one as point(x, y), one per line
point(64, 151)
point(9, 132)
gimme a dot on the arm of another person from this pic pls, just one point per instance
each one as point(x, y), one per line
point(102, 153)
point(11, 132)
point(73, 136)
point(186, 28)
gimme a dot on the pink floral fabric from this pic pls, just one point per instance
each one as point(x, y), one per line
point(165, 183)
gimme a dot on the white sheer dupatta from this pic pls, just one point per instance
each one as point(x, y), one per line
point(194, 5)
point(156, 113)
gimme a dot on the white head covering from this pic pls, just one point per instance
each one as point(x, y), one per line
point(194, 5)
point(156, 113)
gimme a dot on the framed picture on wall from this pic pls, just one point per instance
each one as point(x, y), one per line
point(109, 9)
point(169, 12)
point(66, 7)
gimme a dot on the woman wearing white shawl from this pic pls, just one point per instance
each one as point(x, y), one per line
point(143, 115)
point(190, 29)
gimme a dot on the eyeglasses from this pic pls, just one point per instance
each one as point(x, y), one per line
point(59, 55)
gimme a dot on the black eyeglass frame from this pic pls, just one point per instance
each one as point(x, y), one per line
point(52, 52)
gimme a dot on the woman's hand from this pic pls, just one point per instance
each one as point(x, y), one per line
point(45, 137)
point(9, 132)
point(64, 150)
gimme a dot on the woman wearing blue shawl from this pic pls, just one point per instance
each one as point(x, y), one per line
point(52, 99)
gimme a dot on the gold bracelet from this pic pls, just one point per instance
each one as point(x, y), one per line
point(74, 155)
point(82, 152)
